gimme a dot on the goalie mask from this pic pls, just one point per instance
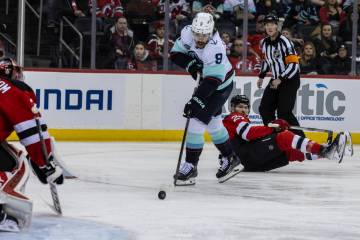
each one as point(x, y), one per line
point(240, 103)
point(10, 70)
point(202, 28)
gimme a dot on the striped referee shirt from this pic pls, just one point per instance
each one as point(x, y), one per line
point(279, 56)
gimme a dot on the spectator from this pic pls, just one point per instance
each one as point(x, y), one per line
point(180, 14)
point(140, 14)
point(342, 62)
point(255, 38)
point(309, 63)
point(326, 46)
point(298, 42)
point(156, 44)
point(121, 42)
point(346, 29)
point(108, 9)
point(253, 62)
point(80, 8)
point(141, 59)
point(264, 7)
point(215, 7)
point(332, 13)
point(301, 16)
point(225, 36)
point(236, 7)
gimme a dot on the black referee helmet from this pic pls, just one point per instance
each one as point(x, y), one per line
point(271, 18)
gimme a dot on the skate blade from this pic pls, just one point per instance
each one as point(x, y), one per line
point(189, 182)
point(9, 227)
point(340, 152)
point(230, 175)
point(349, 149)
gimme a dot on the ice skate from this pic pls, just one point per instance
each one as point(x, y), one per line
point(229, 167)
point(8, 223)
point(186, 175)
point(336, 150)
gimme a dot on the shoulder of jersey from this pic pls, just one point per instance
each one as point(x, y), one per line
point(265, 40)
point(186, 36)
point(21, 85)
point(238, 116)
point(215, 43)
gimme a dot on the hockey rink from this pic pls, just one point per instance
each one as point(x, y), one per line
point(115, 198)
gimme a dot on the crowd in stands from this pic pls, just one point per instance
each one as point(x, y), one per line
point(132, 31)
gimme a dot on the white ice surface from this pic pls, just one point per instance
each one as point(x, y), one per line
point(115, 197)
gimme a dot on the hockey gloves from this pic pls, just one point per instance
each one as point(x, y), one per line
point(283, 124)
point(192, 107)
point(49, 172)
point(194, 67)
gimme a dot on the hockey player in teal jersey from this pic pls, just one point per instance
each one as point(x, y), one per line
point(200, 50)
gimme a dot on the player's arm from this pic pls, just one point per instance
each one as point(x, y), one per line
point(291, 59)
point(22, 118)
point(247, 131)
point(179, 55)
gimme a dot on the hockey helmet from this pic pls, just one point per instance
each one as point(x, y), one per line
point(10, 70)
point(6, 68)
point(203, 23)
point(271, 18)
point(237, 99)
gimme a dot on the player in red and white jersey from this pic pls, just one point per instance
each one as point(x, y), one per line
point(263, 148)
point(16, 114)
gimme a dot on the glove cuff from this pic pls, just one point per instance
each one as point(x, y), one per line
point(190, 64)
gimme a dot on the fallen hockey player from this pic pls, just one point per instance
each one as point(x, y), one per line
point(263, 148)
point(18, 101)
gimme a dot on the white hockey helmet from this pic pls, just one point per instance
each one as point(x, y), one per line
point(203, 23)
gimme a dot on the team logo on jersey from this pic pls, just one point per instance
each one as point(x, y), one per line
point(271, 147)
point(277, 54)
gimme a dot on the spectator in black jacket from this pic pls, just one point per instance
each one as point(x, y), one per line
point(264, 7)
point(342, 62)
point(326, 46)
point(309, 63)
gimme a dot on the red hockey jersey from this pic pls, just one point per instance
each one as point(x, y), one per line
point(238, 124)
point(17, 100)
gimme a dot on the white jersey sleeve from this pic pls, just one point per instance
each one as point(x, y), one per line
point(184, 42)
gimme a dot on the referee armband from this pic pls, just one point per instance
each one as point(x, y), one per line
point(291, 59)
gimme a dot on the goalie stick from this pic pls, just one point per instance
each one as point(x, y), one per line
point(183, 139)
point(53, 189)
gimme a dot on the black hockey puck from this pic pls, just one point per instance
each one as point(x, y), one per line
point(162, 195)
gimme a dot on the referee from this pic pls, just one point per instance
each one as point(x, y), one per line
point(280, 94)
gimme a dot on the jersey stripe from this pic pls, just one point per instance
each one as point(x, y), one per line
point(276, 53)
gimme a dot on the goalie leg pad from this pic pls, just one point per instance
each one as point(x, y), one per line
point(15, 203)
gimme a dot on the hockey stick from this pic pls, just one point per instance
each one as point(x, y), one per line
point(184, 137)
point(53, 189)
point(330, 133)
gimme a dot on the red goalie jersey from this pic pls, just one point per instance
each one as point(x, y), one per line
point(17, 100)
